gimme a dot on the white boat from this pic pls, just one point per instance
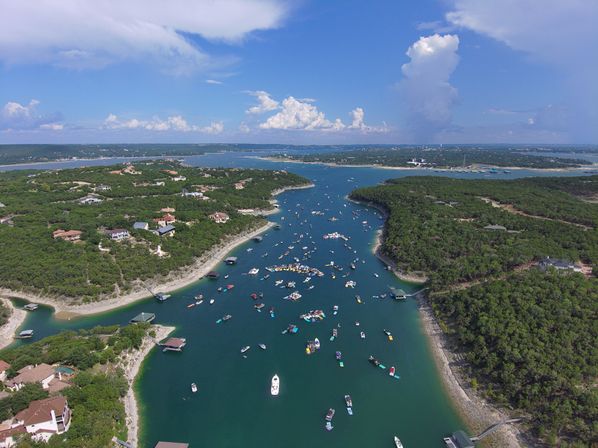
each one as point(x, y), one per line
point(262, 346)
point(193, 387)
point(275, 385)
point(362, 334)
point(212, 301)
point(253, 271)
point(246, 348)
point(398, 443)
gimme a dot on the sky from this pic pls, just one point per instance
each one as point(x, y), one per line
point(299, 71)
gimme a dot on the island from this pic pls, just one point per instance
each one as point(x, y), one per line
point(437, 157)
point(89, 239)
point(509, 267)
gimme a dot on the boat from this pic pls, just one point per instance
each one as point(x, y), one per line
point(352, 265)
point(334, 334)
point(245, 349)
point(161, 297)
point(293, 297)
point(193, 387)
point(362, 335)
point(358, 299)
point(212, 301)
point(253, 296)
point(398, 443)
point(272, 312)
point(349, 403)
point(191, 305)
point(330, 415)
point(339, 358)
point(335, 310)
point(275, 386)
point(392, 371)
point(317, 344)
point(262, 346)
point(374, 361)
point(253, 271)
point(329, 426)
point(25, 334)
point(388, 334)
point(224, 319)
point(292, 329)
point(259, 306)
point(376, 275)
point(31, 307)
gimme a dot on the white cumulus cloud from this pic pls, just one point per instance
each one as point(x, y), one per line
point(425, 85)
point(91, 33)
point(174, 123)
point(266, 103)
point(297, 114)
point(17, 116)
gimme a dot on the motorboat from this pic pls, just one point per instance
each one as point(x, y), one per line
point(374, 361)
point(362, 335)
point(193, 387)
point(330, 415)
point(398, 443)
point(349, 403)
point(212, 301)
point(262, 346)
point(388, 334)
point(245, 349)
point(275, 386)
point(358, 299)
point(329, 426)
point(317, 344)
point(392, 371)
point(253, 271)
point(335, 310)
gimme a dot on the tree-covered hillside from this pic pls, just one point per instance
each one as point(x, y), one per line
point(37, 203)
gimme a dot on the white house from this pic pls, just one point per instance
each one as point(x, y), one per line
point(41, 373)
point(4, 366)
point(219, 217)
point(89, 200)
point(117, 234)
point(44, 418)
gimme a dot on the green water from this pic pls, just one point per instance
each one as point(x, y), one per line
point(233, 406)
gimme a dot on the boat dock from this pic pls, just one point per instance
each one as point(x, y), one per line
point(31, 307)
point(231, 260)
point(143, 318)
point(25, 334)
point(173, 344)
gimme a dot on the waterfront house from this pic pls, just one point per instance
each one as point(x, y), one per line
point(219, 217)
point(174, 344)
point(166, 230)
point(117, 234)
point(4, 366)
point(42, 374)
point(44, 418)
point(140, 225)
point(67, 235)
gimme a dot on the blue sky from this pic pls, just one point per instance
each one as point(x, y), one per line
point(305, 71)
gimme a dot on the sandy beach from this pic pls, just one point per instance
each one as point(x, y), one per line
point(16, 319)
point(131, 364)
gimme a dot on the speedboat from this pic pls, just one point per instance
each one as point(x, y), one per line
point(275, 385)
point(329, 426)
point(253, 271)
point(335, 309)
point(388, 334)
point(330, 415)
point(374, 361)
point(244, 349)
point(349, 404)
point(262, 346)
point(362, 335)
point(193, 387)
point(317, 344)
point(398, 443)
point(212, 301)
point(392, 371)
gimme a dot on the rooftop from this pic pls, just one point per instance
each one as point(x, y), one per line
point(40, 411)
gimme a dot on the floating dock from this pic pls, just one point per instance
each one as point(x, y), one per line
point(213, 275)
point(173, 344)
point(25, 334)
point(231, 260)
point(143, 318)
point(31, 307)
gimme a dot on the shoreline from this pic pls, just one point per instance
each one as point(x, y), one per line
point(132, 365)
point(592, 166)
point(175, 280)
point(476, 412)
point(9, 329)
point(199, 268)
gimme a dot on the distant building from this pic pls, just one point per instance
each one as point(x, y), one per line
point(90, 199)
point(67, 235)
point(179, 178)
point(2, 205)
point(44, 418)
point(7, 220)
point(168, 210)
point(167, 230)
point(140, 225)
point(239, 185)
point(117, 234)
point(219, 217)
point(170, 172)
point(102, 187)
point(165, 220)
point(559, 265)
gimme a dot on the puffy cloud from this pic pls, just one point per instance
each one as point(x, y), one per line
point(174, 123)
point(425, 86)
point(266, 103)
point(17, 116)
point(297, 114)
point(90, 34)
point(560, 33)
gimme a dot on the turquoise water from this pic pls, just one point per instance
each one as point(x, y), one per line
point(233, 406)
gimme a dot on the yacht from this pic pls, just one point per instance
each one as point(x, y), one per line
point(275, 385)
point(398, 443)
point(193, 387)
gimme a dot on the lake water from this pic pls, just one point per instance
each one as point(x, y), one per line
point(233, 406)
